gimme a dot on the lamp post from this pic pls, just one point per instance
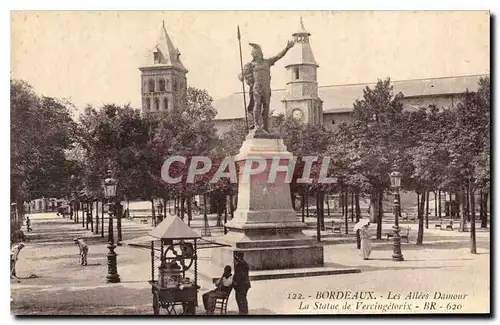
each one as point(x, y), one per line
point(109, 187)
point(396, 246)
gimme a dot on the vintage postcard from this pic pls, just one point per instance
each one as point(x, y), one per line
point(250, 163)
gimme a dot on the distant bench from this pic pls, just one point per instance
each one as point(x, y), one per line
point(404, 234)
point(448, 225)
point(334, 227)
point(404, 216)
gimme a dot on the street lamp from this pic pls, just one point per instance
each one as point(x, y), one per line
point(395, 177)
point(109, 187)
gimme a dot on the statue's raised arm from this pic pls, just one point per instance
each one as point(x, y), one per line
point(281, 54)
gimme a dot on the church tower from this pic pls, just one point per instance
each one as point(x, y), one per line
point(163, 79)
point(301, 100)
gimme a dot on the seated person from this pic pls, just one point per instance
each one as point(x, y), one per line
point(224, 285)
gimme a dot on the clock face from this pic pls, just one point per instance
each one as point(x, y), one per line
point(297, 114)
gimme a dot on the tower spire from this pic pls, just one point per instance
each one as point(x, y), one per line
point(169, 54)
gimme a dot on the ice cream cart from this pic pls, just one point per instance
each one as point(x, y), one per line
point(172, 289)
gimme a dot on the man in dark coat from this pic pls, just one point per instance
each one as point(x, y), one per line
point(241, 282)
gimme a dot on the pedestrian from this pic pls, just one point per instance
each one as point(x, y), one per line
point(14, 255)
point(84, 249)
point(28, 224)
point(241, 282)
point(366, 246)
point(223, 288)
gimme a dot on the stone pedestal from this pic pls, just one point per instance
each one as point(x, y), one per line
point(265, 226)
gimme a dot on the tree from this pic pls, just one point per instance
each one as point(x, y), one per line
point(374, 142)
point(42, 131)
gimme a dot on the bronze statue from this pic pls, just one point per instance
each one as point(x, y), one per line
point(257, 75)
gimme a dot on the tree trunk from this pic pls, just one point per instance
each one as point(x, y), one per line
point(420, 234)
point(225, 214)
point(189, 211)
point(481, 212)
point(102, 218)
point(345, 196)
point(484, 204)
point(118, 215)
point(328, 204)
point(307, 204)
point(303, 206)
point(341, 201)
point(91, 209)
point(427, 210)
point(86, 215)
point(435, 205)
point(374, 197)
point(322, 209)
point(380, 214)
point(97, 217)
point(464, 200)
point(183, 201)
point(128, 207)
point(358, 216)
point(473, 248)
point(83, 216)
point(418, 205)
point(468, 203)
point(439, 207)
point(165, 201)
point(220, 209)
point(231, 206)
point(352, 206)
point(318, 227)
point(153, 214)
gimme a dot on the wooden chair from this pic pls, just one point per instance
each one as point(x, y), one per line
point(404, 233)
point(450, 225)
point(220, 303)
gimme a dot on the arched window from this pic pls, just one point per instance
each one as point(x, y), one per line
point(162, 84)
point(151, 86)
point(175, 84)
point(296, 72)
point(148, 104)
point(157, 104)
point(165, 103)
point(156, 57)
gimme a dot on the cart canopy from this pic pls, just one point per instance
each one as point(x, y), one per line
point(173, 228)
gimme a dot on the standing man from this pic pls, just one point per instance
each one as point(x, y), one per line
point(28, 224)
point(14, 254)
point(241, 282)
point(84, 249)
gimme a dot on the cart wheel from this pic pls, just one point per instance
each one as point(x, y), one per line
point(156, 306)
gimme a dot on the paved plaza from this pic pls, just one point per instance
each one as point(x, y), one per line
point(62, 287)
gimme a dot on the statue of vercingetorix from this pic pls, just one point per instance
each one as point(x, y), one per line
point(257, 75)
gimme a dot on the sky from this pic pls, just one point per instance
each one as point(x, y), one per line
point(93, 57)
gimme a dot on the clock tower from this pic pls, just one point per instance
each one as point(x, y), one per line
point(301, 100)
